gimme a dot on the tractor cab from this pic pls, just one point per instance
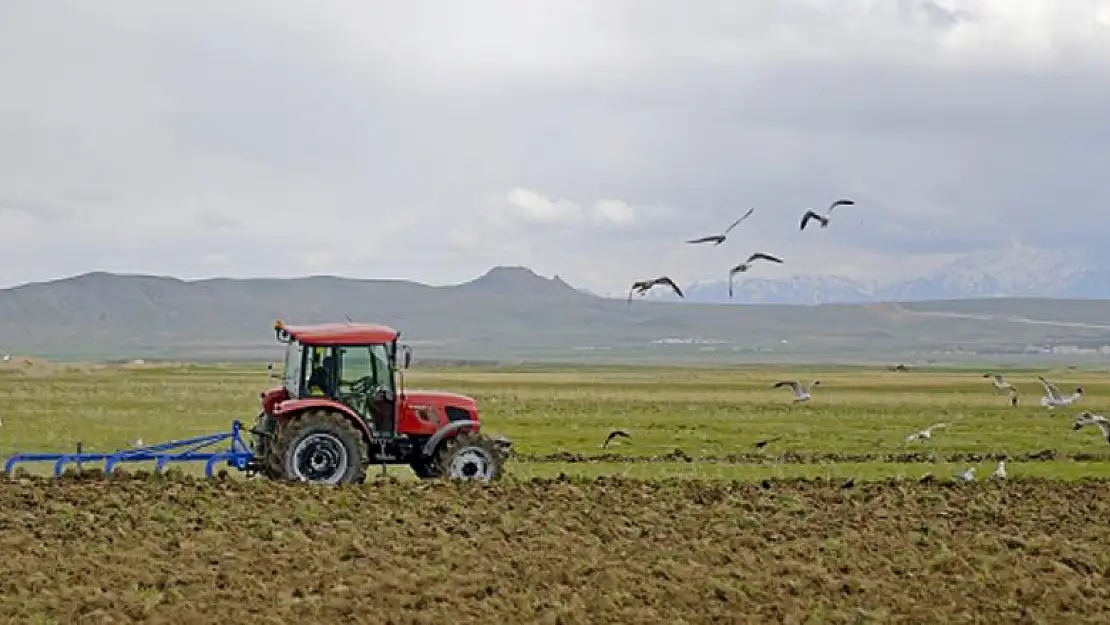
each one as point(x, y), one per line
point(341, 407)
point(352, 364)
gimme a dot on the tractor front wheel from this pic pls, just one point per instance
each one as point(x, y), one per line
point(470, 457)
point(322, 447)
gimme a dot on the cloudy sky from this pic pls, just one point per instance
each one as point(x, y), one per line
point(430, 140)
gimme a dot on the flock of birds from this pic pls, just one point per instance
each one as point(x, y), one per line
point(641, 287)
point(1052, 399)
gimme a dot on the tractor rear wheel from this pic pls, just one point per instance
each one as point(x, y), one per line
point(470, 457)
point(263, 436)
point(321, 447)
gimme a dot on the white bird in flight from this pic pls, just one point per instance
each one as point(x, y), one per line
point(926, 433)
point(718, 239)
point(1085, 418)
point(1053, 398)
point(1000, 384)
point(801, 391)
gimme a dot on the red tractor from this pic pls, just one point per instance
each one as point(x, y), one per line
point(342, 406)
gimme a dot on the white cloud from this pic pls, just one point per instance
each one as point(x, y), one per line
point(1103, 15)
point(615, 211)
point(532, 206)
point(535, 207)
point(590, 139)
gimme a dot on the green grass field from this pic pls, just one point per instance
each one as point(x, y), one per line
point(705, 413)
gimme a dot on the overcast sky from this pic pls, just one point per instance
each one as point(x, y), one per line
point(430, 140)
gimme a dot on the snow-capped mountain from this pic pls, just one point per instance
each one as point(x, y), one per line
point(1019, 270)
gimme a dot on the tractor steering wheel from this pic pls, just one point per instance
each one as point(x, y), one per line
point(363, 386)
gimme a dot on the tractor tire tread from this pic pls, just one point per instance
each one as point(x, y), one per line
point(288, 430)
point(448, 449)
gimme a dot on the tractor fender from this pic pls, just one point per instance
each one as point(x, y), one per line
point(445, 431)
point(286, 409)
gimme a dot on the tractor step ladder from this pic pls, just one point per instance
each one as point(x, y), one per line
point(237, 454)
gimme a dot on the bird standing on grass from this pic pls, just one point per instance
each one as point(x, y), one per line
point(1000, 472)
point(746, 265)
point(643, 286)
point(718, 239)
point(823, 219)
point(968, 476)
point(801, 391)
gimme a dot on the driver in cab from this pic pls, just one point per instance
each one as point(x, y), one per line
point(320, 383)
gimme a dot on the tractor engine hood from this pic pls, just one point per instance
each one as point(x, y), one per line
point(439, 399)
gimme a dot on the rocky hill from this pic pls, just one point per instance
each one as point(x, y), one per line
point(508, 313)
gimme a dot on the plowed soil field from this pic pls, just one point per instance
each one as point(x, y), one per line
point(608, 550)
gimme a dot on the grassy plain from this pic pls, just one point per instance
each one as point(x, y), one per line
point(559, 417)
point(593, 545)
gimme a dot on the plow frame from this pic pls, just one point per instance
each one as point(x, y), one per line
point(237, 454)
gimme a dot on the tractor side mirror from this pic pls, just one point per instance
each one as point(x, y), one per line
point(406, 357)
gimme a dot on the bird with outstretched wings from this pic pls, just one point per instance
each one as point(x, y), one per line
point(747, 264)
point(812, 215)
point(718, 239)
point(643, 286)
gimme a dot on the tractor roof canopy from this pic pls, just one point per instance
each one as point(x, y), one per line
point(337, 333)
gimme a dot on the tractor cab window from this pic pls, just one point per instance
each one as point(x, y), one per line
point(370, 365)
point(319, 371)
point(291, 373)
point(355, 365)
point(383, 372)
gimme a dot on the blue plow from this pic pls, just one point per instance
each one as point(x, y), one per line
point(236, 455)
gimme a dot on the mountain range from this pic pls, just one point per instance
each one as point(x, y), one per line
point(513, 314)
point(1018, 271)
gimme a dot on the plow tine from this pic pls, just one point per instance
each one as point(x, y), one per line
point(237, 455)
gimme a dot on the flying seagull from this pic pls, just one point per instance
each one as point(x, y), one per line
point(643, 286)
point(718, 239)
point(801, 391)
point(824, 219)
point(925, 434)
point(1085, 418)
point(614, 434)
point(763, 443)
point(746, 265)
point(1053, 397)
point(999, 383)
